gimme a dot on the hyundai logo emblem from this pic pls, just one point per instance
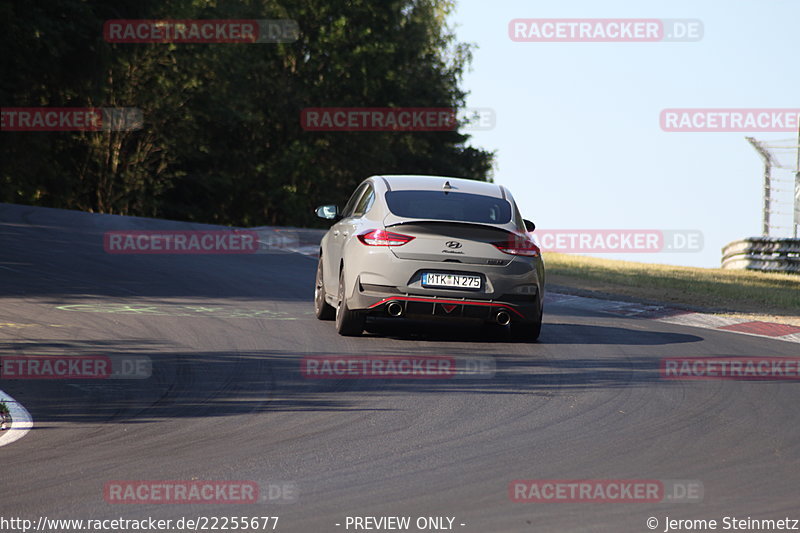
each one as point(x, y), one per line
point(453, 244)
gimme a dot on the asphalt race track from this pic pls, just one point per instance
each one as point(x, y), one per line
point(226, 400)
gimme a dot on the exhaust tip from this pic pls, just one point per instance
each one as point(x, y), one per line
point(502, 318)
point(394, 309)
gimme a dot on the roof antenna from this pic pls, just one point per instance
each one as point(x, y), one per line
point(447, 187)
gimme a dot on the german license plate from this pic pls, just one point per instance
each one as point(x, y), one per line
point(458, 281)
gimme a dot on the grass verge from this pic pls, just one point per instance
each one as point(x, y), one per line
point(756, 295)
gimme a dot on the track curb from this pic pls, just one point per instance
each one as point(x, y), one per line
point(21, 421)
point(673, 315)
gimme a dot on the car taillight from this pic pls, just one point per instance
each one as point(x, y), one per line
point(518, 245)
point(379, 237)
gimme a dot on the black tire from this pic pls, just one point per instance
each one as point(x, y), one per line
point(527, 331)
point(322, 309)
point(348, 323)
point(495, 332)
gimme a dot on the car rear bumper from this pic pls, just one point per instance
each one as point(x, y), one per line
point(383, 301)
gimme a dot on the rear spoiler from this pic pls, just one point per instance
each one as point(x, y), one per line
point(390, 222)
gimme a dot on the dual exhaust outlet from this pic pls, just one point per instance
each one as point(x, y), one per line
point(394, 309)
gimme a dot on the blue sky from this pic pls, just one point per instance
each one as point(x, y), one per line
point(577, 135)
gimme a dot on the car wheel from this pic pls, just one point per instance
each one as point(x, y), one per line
point(348, 323)
point(527, 331)
point(322, 309)
point(495, 332)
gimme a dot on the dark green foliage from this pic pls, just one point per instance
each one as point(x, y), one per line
point(222, 140)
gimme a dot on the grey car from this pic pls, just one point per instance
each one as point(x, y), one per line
point(433, 248)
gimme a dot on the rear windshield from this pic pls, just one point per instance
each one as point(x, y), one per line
point(437, 205)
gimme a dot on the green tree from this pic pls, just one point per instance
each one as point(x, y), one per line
point(222, 140)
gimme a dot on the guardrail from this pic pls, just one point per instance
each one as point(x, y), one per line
point(763, 253)
point(302, 240)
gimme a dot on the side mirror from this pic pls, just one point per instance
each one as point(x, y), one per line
point(328, 212)
point(529, 226)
